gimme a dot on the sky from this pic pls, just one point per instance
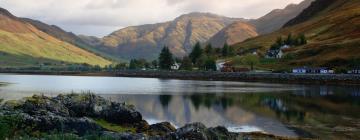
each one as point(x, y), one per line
point(101, 17)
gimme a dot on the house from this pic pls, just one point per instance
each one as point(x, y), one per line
point(321, 70)
point(275, 54)
point(284, 47)
point(254, 51)
point(300, 70)
point(354, 71)
point(175, 66)
point(220, 65)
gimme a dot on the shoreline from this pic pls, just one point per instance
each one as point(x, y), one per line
point(284, 78)
point(83, 114)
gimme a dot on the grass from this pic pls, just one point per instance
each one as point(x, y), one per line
point(113, 127)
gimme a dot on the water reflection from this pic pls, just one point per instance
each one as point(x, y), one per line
point(329, 112)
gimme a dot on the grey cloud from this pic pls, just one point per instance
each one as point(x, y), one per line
point(97, 17)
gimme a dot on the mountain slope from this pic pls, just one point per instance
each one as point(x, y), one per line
point(234, 33)
point(19, 39)
point(179, 35)
point(333, 34)
point(278, 17)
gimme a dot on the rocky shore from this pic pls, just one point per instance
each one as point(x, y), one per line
point(87, 116)
point(338, 79)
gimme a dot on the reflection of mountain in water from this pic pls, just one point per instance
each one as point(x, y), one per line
point(210, 109)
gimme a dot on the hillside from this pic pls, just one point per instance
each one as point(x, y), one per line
point(278, 17)
point(234, 33)
point(179, 35)
point(333, 35)
point(22, 44)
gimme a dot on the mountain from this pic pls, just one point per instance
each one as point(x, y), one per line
point(179, 35)
point(332, 28)
point(22, 44)
point(234, 33)
point(278, 17)
point(242, 30)
point(68, 37)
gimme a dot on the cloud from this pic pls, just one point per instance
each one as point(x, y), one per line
point(97, 17)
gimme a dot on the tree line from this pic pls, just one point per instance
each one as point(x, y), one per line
point(290, 40)
point(199, 58)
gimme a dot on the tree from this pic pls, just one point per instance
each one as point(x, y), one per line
point(200, 63)
point(289, 40)
point(155, 64)
point(303, 40)
point(132, 64)
point(196, 53)
point(279, 41)
point(186, 64)
point(209, 50)
point(231, 51)
point(237, 61)
point(210, 64)
point(120, 66)
point(225, 50)
point(250, 60)
point(166, 59)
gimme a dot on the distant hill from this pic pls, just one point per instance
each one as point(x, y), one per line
point(242, 30)
point(146, 41)
point(278, 17)
point(68, 37)
point(234, 33)
point(333, 31)
point(22, 44)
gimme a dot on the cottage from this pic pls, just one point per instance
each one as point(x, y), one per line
point(219, 65)
point(300, 70)
point(175, 66)
point(284, 47)
point(274, 54)
point(254, 52)
point(354, 71)
point(321, 70)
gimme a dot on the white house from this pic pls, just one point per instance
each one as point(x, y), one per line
point(274, 54)
point(220, 65)
point(175, 66)
point(284, 47)
point(299, 70)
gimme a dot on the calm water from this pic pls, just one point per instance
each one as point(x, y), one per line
point(288, 110)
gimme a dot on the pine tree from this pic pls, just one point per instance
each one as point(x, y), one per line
point(166, 59)
point(210, 64)
point(303, 40)
point(196, 53)
point(289, 40)
point(279, 41)
point(225, 50)
point(186, 64)
point(209, 50)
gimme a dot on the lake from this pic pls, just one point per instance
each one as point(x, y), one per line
point(282, 109)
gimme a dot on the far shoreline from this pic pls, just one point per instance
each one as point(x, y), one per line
point(285, 78)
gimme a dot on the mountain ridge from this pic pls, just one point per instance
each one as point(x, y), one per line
point(180, 34)
point(20, 39)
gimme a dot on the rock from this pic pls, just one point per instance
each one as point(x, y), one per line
point(198, 131)
point(161, 128)
point(123, 136)
point(71, 113)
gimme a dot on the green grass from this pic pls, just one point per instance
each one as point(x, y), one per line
point(113, 127)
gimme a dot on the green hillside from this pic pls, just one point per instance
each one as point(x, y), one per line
point(333, 35)
point(21, 44)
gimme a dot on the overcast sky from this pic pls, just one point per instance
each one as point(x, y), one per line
point(101, 17)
